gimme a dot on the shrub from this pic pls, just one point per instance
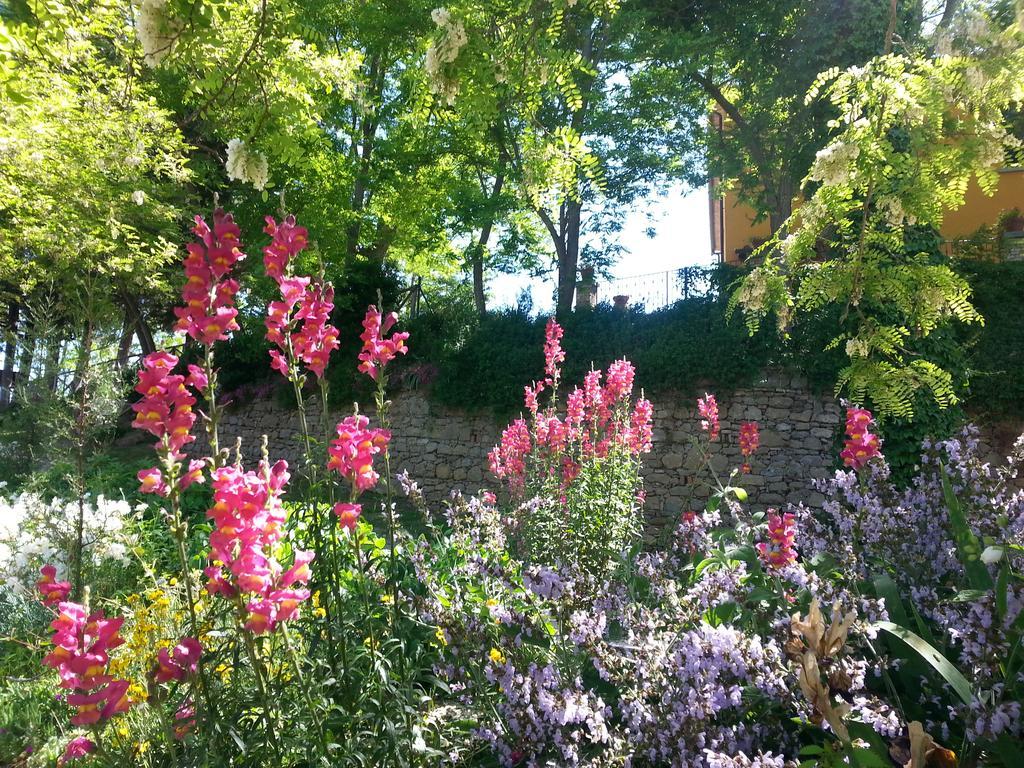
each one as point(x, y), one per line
point(576, 479)
point(291, 630)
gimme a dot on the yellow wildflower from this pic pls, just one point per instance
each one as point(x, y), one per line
point(497, 656)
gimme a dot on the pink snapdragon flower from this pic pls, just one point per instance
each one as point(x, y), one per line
point(707, 407)
point(165, 409)
point(184, 720)
point(194, 474)
point(640, 431)
point(507, 460)
point(209, 312)
point(619, 381)
point(575, 411)
point(348, 513)
point(287, 240)
point(152, 481)
point(77, 748)
point(378, 350)
point(779, 550)
point(197, 378)
point(352, 452)
point(550, 433)
point(861, 445)
point(300, 321)
point(298, 324)
point(100, 704)
point(596, 402)
point(81, 646)
point(178, 664)
point(750, 439)
point(248, 519)
point(80, 655)
point(51, 591)
point(554, 356)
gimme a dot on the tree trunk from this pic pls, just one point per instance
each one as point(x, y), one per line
point(84, 358)
point(368, 133)
point(782, 208)
point(479, 295)
point(52, 365)
point(568, 258)
point(10, 351)
point(141, 327)
point(28, 355)
point(124, 347)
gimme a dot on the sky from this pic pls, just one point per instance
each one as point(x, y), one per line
point(682, 238)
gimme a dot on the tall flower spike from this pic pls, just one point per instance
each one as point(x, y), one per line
point(508, 459)
point(707, 407)
point(80, 655)
point(287, 241)
point(779, 551)
point(554, 356)
point(378, 350)
point(51, 591)
point(750, 439)
point(248, 519)
point(619, 381)
point(300, 320)
point(861, 445)
point(165, 409)
point(209, 312)
point(352, 452)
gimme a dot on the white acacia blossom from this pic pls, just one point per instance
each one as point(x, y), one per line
point(247, 165)
point(34, 532)
point(832, 164)
point(156, 30)
point(444, 50)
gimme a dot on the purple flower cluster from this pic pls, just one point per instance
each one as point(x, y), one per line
point(543, 713)
point(687, 693)
point(870, 526)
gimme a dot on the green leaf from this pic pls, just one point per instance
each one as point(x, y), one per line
point(937, 661)
point(969, 595)
point(886, 589)
point(1002, 586)
point(968, 548)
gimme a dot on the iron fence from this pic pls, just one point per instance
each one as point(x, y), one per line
point(656, 290)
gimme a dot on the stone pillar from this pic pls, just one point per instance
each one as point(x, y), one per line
point(586, 289)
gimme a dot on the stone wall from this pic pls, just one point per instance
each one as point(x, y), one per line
point(444, 449)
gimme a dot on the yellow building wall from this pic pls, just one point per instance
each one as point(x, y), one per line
point(978, 209)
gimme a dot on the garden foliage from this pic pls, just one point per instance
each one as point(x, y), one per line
point(302, 624)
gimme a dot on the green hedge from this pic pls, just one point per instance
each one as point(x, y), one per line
point(483, 363)
point(996, 351)
point(686, 347)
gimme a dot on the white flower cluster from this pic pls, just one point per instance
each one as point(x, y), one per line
point(857, 347)
point(247, 165)
point(34, 532)
point(156, 30)
point(339, 73)
point(444, 50)
point(833, 163)
point(895, 214)
point(753, 291)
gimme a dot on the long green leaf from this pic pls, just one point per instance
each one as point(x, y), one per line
point(937, 661)
point(886, 589)
point(967, 545)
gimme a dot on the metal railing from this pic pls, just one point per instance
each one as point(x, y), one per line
point(656, 290)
